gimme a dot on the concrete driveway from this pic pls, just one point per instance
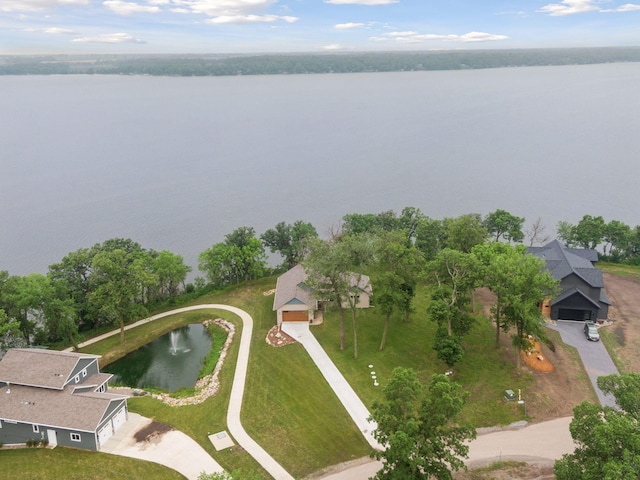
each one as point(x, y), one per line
point(595, 357)
point(138, 439)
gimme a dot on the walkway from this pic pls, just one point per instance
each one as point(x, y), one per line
point(594, 355)
point(344, 392)
point(237, 390)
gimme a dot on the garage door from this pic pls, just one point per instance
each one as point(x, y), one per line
point(295, 316)
point(105, 433)
point(571, 314)
point(119, 418)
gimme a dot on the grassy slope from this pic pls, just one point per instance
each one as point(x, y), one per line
point(484, 371)
point(71, 464)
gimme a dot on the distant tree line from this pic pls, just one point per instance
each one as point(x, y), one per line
point(616, 241)
point(274, 64)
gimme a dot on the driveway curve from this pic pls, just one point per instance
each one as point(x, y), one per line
point(237, 390)
point(595, 358)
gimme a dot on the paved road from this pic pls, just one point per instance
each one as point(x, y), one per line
point(541, 443)
point(595, 357)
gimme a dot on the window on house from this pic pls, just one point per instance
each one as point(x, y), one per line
point(84, 373)
point(77, 379)
point(36, 429)
point(0, 423)
point(75, 437)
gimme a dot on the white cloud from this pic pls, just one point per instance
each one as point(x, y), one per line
point(570, 7)
point(227, 8)
point(362, 2)
point(379, 39)
point(479, 37)
point(109, 38)
point(629, 7)
point(333, 47)
point(127, 8)
point(59, 31)
point(401, 34)
point(251, 19)
point(36, 5)
point(348, 26)
point(414, 37)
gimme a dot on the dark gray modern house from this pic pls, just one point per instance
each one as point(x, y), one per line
point(582, 296)
point(60, 397)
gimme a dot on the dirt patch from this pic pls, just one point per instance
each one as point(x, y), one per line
point(509, 471)
point(535, 360)
point(152, 432)
point(555, 393)
point(277, 338)
point(624, 294)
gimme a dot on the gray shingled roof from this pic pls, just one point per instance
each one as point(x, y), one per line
point(55, 408)
point(38, 367)
point(562, 262)
point(290, 287)
point(573, 291)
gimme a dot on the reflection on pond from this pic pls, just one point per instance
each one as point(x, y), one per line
point(169, 363)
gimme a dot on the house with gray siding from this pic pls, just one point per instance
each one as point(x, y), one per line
point(60, 397)
point(582, 296)
point(295, 300)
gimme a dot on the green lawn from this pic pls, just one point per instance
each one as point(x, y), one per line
point(71, 464)
point(484, 371)
point(620, 269)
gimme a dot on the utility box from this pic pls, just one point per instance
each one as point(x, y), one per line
point(509, 396)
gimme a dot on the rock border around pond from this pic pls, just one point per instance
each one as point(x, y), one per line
point(207, 386)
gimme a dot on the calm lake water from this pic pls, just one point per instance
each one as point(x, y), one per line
point(177, 163)
point(169, 363)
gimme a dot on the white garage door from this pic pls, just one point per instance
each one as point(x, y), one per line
point(119, 418)
point(105, 433)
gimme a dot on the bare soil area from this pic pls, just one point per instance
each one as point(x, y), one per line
point(557, 392)
point(509, 471)
point(624, 294)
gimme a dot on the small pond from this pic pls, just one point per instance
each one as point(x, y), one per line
point(169, 363)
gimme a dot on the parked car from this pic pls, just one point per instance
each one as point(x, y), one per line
point(591, 331)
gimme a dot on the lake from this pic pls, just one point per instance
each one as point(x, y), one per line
point(171, 362)
point(176, 163)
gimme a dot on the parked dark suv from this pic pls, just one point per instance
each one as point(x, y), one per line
point(591, 331)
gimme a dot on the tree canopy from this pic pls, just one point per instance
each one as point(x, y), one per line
point(290, 241)
point(607, 439)
point(501, 224)
point(416, 424)
point(239, 258)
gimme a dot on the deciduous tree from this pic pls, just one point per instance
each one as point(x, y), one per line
point(417, 427)
point(239, 258)
point(589, 231)
point(503, 224)
point(607, 439)
point(463, 232)
point(289, 241)
point(120, 277)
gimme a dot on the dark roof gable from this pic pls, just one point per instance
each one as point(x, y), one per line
point(562, 262)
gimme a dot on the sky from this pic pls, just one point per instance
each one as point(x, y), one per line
point(265, 26)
